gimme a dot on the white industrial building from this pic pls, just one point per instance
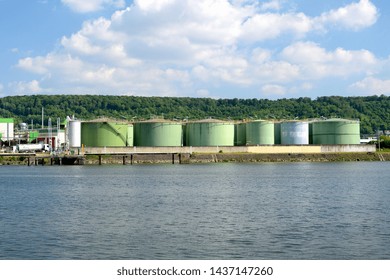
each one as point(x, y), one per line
point(6, 129)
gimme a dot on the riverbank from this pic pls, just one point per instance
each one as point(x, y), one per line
point(197, 158)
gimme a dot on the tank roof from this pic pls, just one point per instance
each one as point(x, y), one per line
point(339, 120)
point(107, 120)
point(159, 121)
point(212, 121)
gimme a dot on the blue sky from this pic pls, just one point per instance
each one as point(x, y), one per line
point(198, 48)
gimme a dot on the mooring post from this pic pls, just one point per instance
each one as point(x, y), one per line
point(100, 160)
point(131, 159)
point(28, 161)
point(180, 158)
point(124, 160)
point(36, 161)
point(173, 158)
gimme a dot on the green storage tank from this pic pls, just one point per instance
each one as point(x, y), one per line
point(260, 132)
point(240, 134)
point(184, 130)
point(277, 138)
point(210, 133)
point(101, 133)
point(158, 133)
point(336, 132)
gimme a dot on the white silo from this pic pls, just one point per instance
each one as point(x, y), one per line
point(74, 133)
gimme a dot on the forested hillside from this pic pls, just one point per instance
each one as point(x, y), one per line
point(373, 111)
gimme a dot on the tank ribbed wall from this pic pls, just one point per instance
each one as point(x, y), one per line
point(158, 134)
point(277, 138)
point(294, 133)
point(130, 135)
point(336, 132)
point(240, 134)
point(260, 133)
point(104, 134)
point(210, 134)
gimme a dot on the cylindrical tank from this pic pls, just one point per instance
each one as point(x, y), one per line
point(310, 132)
point(240, 134)
point(74, 133)
point(294, 133)
point(260, 133)
point(278, 141)
point(210, 133)
point(158, 133)
point(130, 135)
point(336, 132)
point(104, 133)
point(23, 126)
point(184, 130)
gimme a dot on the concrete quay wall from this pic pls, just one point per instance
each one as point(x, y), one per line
point(265, 149)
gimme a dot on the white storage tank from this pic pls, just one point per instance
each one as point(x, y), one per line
point(294, 133)
point(74, 133)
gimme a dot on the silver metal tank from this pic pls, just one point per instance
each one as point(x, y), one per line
point(294, 133)
point(74, 133)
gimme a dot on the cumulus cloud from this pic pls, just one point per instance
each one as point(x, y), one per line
point(31, 87)
point(273, 90)
point(316, 62)
point(271, 5)
point(87, 6)
point(371, 86)
point(189, 47)
point(354, 16)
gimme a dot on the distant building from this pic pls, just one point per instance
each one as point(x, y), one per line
point(6, 129)
point(55, 138)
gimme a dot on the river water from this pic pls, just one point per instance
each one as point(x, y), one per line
point(206, 211)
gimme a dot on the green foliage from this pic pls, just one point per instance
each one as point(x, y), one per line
point(385, 142)
point(372, 111)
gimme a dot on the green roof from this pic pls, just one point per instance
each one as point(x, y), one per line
point(6, 120)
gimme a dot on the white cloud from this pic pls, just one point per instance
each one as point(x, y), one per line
point(354, 16)
point(176, 47)
point(371, 86)
point(261, 27)
point(273, 90)
point(316, 62)
point(87, 6)
point(271, 5)
point(31, 87)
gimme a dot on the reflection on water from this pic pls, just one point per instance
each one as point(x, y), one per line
point(216, 211)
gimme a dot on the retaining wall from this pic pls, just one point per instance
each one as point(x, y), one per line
point(265, 149)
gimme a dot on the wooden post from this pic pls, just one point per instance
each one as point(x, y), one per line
point(180, 158)
point(173, 158)
point(100, 160)
point(124, 160)
point(131, 159)
point(28, 161)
